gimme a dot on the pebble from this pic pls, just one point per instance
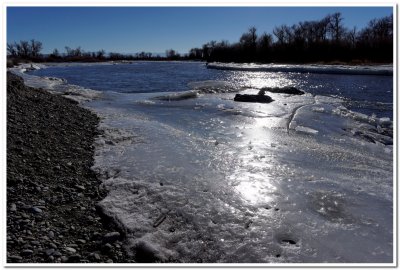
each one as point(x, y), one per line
point(80, 187)
point(36, 210)
point(15, 258)
point(57, 254)
point(81, 241)
point(74, 258)
point(13, 207)
point(70, 250)
point(111, 237)
point(49, 251)
point(107, 247)
point(51, 234)
point(26, 252)
point(53, 245)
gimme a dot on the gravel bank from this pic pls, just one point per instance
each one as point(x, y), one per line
point(51, 191)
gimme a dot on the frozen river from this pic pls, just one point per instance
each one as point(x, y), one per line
point(195, 177)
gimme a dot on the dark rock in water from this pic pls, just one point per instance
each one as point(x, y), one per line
point(253, 98)
point(284, 90)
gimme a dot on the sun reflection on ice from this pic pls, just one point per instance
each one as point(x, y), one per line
point(256, 190)
point(259, 80)
point(250, 179)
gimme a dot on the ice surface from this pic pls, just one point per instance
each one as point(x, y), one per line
point(320, 69)
point(302, 179)
point(179, 95)
point(247, 182)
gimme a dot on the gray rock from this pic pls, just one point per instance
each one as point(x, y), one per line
point(13, 207)
point(15, 258)
point(51, 234)
point(111, 237)
point(107, 247)
point(81, 241)
point(95, 256)
point(74, 258)
point(36, 210)
point(81, 188)
point(70, 250)
point(57, 254)
point(26, 252)
point(49, 251)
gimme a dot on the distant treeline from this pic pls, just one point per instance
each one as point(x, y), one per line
point(326, 40)
point(31, 51)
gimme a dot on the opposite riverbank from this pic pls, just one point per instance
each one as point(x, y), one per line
point(52, 192)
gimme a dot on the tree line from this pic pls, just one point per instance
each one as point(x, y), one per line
point(324, 40)
point(31, 50)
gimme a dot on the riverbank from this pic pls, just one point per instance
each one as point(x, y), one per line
point(52, 192)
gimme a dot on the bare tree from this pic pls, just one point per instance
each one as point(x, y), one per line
point(12, 49)
point(336, 27)
point(250, 37)
point(24, 49)
point(36, 47)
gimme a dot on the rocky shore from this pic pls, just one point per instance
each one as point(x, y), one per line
point(52, 192)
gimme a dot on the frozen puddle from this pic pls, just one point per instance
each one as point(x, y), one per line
point(209, 180)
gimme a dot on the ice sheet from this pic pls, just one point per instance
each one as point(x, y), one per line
point(320, 69)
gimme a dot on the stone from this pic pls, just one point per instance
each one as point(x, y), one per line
point(74, 258)
point(13, 207)
point(49, 251)
point(15, 258)
point(26, 252)
point(57, 254)
point(111, 237)
point(107, 247)
point(36, 210)
point(70, 250)
point(253, 98)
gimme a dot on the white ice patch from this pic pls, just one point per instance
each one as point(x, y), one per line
point(178, 96)
point(55, 85)
point(306, 130)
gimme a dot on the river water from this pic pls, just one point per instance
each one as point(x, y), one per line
point(195, 177)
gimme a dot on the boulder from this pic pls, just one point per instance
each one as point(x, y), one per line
point(253, 98)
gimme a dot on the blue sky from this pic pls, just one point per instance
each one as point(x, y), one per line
point(155, 29)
